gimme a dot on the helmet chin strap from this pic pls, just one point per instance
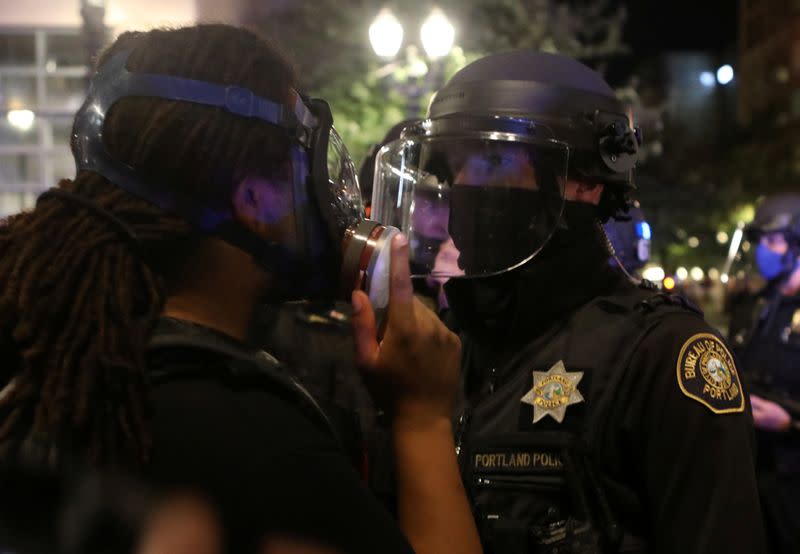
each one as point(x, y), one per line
point(612, 251)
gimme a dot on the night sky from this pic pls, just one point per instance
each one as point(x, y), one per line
point(658, 25)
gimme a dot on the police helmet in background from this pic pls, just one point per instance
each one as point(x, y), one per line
point(630, 236)
point(490, 162)
point(326, 247)
point(366, 173)
point(777, 216)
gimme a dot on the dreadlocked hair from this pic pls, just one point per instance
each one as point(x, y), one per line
point(77, 300)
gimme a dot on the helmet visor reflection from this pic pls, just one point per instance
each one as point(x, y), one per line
point(471, 204)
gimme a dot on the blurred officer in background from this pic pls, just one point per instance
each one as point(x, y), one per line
point(765, 333)
point(206, 186)
point(597, 416)
point(630, 238)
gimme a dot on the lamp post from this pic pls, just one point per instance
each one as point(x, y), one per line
point(725, 74)
point(437, 36)
point(386, 34)
point(94, 29)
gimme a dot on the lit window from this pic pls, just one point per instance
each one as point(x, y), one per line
point(17, 49)
point(42, 84)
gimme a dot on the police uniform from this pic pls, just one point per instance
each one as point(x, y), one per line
point(614, 428)
point(597, 416)
point(765, 333)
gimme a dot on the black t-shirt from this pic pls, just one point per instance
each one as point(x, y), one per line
point(266, 465)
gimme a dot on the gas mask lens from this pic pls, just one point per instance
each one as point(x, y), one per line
point(347, 203)
point(472, 204)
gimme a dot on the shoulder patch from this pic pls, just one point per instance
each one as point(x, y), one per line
point(707, 373)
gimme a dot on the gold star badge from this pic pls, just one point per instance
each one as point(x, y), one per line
point(553, 391)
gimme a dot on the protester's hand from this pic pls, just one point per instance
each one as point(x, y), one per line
point(769, 416)
point(415, 366)
point(182, 524)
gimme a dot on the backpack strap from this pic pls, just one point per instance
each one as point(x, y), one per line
point(238, 365)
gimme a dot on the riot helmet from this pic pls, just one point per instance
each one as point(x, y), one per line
point(329, 249)
point(776, 229)
point(367, 170)
point(499, 143)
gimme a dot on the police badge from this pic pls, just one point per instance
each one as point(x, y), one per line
point(553, 391)
point(707, 373)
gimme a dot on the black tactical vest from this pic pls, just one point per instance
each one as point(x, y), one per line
point(537, 487)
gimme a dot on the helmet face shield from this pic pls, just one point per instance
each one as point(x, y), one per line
point(473, 202)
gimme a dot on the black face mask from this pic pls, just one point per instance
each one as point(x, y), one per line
point(559, 279)
point(497, 228)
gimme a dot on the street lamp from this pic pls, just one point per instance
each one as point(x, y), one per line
point(707, 79)
point(696, 273)
point(413, 76)
point(654, 273)
point(437, 34)
point(386, 34)
point(725, 74)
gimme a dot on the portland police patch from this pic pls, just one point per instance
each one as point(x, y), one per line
point(707, 373)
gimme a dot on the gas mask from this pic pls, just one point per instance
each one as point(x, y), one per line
point(333, 249)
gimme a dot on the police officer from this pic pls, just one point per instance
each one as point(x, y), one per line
point(598, 416)
point(765, 332)
point(207, 185)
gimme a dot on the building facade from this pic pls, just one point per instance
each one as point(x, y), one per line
point(769, 93)
point(769, 62)
point(43, 77)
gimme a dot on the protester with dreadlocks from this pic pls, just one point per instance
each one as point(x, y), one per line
point(207, 184)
